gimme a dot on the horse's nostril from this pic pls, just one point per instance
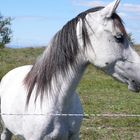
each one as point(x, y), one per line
point(107, 63)
point(133, 81)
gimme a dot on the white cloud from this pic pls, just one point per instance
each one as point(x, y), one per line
point(128, 7)
point(92, 3)
point(89, 3)
point(30, 17)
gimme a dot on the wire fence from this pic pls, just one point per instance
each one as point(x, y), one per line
point(73, 115)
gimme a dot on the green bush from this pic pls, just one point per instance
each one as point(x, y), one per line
point(5, 31)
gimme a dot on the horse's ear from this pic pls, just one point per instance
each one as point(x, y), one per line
point(109, 9)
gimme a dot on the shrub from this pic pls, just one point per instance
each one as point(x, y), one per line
point(5, 31)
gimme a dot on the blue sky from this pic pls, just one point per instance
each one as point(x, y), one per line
point(36, 21)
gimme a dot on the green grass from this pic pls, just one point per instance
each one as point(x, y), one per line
point(99, 94)
point(11, 58)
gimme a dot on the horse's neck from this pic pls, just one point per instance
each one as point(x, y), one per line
point(63, 89)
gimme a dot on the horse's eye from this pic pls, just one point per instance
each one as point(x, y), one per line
point(119, 38)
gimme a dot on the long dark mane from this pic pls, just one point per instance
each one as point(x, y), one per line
point(63, 50)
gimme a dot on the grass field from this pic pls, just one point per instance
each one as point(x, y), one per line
point(99, 94)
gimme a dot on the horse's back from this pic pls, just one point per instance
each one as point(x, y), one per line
point(15, 73)
point(14, 76)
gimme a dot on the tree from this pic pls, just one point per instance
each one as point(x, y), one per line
point(5, 31)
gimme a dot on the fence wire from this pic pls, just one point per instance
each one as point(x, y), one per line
point(74, 115)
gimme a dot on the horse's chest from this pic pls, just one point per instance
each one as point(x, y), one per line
point(61, 128)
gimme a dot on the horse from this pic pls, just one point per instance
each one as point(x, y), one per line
point(36, 100)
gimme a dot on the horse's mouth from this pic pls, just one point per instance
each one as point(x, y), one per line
point(133, 86)
point(123, 76)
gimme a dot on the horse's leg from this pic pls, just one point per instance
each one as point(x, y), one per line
point(74, 137)
point(6, 134)
point(20, 137)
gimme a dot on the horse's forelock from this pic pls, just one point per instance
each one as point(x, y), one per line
point(119, 23)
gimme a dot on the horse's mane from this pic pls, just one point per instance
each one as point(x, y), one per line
point(63, 50)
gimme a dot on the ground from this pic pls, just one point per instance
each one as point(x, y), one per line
point(99, 94)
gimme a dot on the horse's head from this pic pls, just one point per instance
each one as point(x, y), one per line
point(109, 47)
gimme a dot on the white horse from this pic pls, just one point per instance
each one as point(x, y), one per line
point(34, 97)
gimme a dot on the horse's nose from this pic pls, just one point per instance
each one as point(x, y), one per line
point(106, 63)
